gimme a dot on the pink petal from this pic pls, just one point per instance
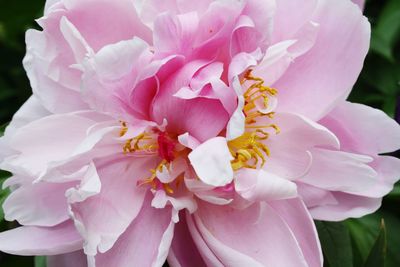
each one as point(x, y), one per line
point(313, 196)
point(45, 135)
point(341, 171)
point(75, 259)
point(188, 115)
point(280, 56)
point(360, 3)
point(31, 110)
point(146, 241)
point(337, 70)
point(106, 21)
point(290, 157)
point(53, 82)
point(259, 185)
point(31, 240)
point(256, 236)
point(40, 204)
point(347, 206)
point(360, 129)
point(183, 252)
point(211, 161)
point(299, 12)
point(120, 199)
point(175, 34)
point(111, 73)
point(296, 215)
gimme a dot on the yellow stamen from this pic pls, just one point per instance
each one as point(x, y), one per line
point(249, 149)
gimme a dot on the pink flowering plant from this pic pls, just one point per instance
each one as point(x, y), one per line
point(204, 133)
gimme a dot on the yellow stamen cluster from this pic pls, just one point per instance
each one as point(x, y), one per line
point(257, 91)
point(249, 148)
point(132, 145)
point(144, 142)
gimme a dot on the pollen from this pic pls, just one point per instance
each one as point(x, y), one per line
point(153, 143)
point(250, 150)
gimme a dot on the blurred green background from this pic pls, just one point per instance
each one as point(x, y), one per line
point(357, 242)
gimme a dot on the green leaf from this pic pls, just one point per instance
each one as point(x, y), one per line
point(3, 192)
point(365, 231)
point(395, 192)
point(336, 243)
point(386, 32)
point(378, 252)
point(40, 261)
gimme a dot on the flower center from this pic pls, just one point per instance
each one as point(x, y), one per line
point(157, 142)
point(249, 150)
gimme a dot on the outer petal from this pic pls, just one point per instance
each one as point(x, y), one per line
point(31, 110)
point(341, 171)
point(289, 150)
point(316, 81)
point(362, 129)
point(106, 21)
point(112, 73)
point(299, 12)
point(31, 240)
point(360, 3)
point(296, 215)
point(212, 162)
point(183, 252)
point(347, 206)
point(45, 135)
point(75, 259)
point(145, 243)
point(40, 204)
point(120, 199)
point(256, 236)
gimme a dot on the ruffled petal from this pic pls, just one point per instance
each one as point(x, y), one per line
point(311, 86)
point(75, 259)
point(45, 135)
point(201, 117)
point(296, 215)
point(256, 236)
point(32, 240)
point(120, 199)
point(212, 162)
point(39, 204)
point(290, 157)
point(259, 185)
point(362, 129)
point(146, 241)
point(183, 252)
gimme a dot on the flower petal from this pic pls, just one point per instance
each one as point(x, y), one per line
point(146, 242)
point(120, 199)
point(45, 135)
point(296, 215)
point(212, 162)
point(337, 70)
point(341, 171)
point(259, 185)
point(76, 259)
point(183, 252)
point(362, 129)
point(39, 204)
point(290, 157)
point(31, 240)
point(256, 236)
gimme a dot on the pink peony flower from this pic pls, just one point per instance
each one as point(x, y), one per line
point(210, 133)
